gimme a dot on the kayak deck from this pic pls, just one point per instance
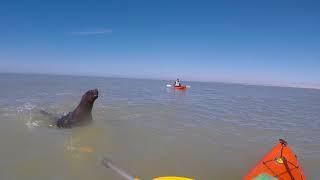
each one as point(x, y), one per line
point(279, 163)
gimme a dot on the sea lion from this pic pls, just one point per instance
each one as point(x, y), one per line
point(81, 113)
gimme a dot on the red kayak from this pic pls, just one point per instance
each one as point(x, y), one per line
point(279, 163)
point(180, 87)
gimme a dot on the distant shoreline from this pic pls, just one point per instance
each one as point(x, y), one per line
point(315, 87)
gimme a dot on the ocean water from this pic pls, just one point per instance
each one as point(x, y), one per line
point(210, 131)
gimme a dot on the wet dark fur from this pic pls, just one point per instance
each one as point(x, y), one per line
point(81, 114)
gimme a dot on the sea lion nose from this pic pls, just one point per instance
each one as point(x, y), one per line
point(96, 92)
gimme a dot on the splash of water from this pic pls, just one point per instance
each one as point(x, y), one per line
point(27, 108)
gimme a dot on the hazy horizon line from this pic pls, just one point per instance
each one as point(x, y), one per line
point(288, 85)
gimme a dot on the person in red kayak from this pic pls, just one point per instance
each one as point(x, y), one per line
point(177, 83)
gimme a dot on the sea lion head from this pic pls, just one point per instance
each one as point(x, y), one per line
point(90, 96)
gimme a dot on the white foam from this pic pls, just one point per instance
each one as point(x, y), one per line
point(25, 109)
point(26, 106)
point(32, 124)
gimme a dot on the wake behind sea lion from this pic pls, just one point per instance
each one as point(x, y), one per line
point(82, 112)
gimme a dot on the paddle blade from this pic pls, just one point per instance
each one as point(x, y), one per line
point(108, 164)
point(169, 85)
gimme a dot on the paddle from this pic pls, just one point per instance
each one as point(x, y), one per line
point(170, 85)
point(108, 164)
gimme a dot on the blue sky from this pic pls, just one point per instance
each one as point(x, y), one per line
point(240, 41)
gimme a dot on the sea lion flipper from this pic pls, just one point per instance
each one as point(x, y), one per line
point(65, 121)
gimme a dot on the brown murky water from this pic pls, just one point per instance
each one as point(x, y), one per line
point(211, 131)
